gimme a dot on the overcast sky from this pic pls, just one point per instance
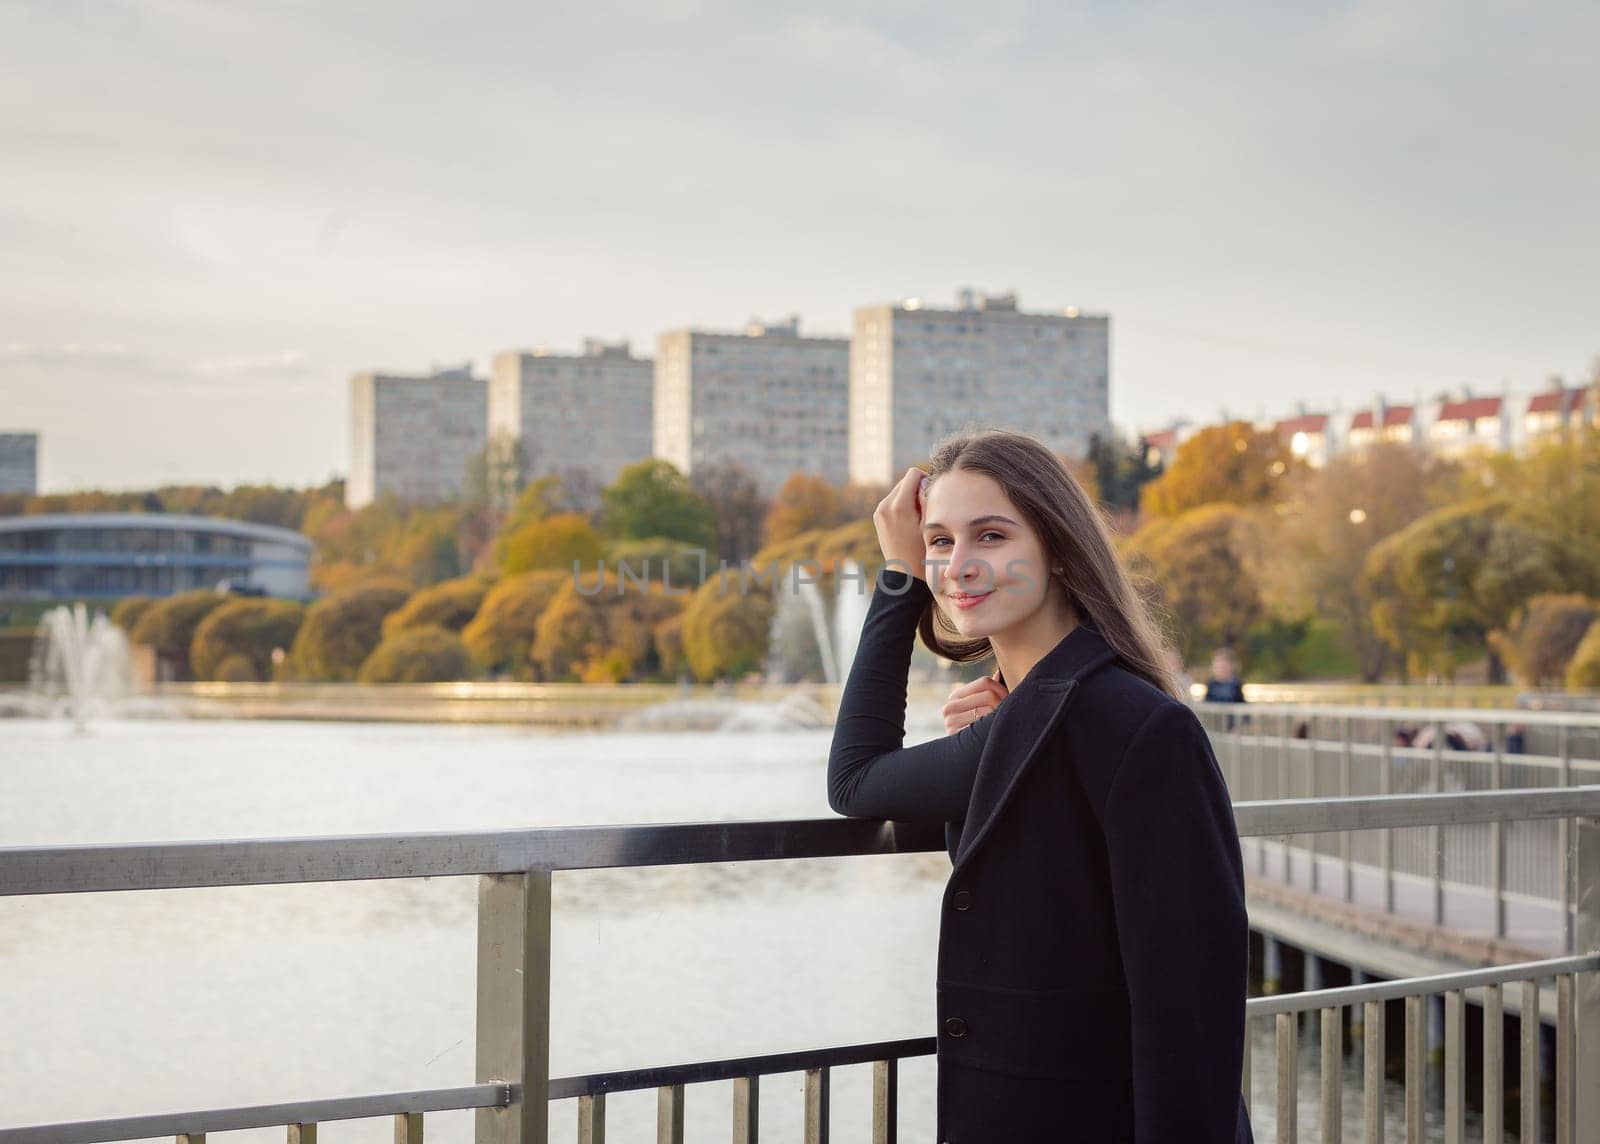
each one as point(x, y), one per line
point(211, 213)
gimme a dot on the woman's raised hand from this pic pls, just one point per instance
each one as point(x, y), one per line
point(898, 518)
point(970, 702)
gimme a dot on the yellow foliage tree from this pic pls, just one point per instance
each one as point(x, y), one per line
point(1224, 464)
point(725, 629)
point(500, 636)
point(553, 542)
point(1202, 566)
point(591, 617)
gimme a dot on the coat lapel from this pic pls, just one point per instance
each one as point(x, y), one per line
point(1023, 722)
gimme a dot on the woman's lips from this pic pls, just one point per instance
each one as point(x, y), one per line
point(969, 601)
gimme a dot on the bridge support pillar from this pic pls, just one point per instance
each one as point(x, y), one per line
point(1271, 965)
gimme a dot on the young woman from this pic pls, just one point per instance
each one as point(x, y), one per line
point(1092, 938)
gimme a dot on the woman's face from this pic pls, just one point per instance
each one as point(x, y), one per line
point(993, 572)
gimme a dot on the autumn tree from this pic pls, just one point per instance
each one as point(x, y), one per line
point(598, 624)
point(450, 604)
point(1584, 670)
point(425, 654)
point(125, 612)
point(1440, 585)
point(1224, 464)
point(740, 510)
point(500, 636)
point(1334, 516)
point(1203, 568)
point(804, 503)
point(341, 630)
point(1544, 636)
point(662, 560)
point(726, 628)
point(169, 625)
point(558, 541)
point(246, 629)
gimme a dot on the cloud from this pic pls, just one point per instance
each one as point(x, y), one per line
point(281, 365)
point(19, 355)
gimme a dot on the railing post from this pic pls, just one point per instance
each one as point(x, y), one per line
point(746, 1110)
point(1345, 781)
point(1497, 837)
point(885, 1102)
point(817, 1084)
point(1563, 842)
point(1386, 786)
point(514, 1004)
point(1288, 1078)
point(1436, 833)
point(1528, 1091)
point(1586, 999)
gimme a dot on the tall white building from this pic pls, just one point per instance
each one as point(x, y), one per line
point(19, 463)
point(589, 411)
point(413, 434)
point(918, 372)
point(769, 399)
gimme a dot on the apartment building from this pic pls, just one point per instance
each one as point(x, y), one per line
point(590, 412)
point(918, 372)
point(768, 398)
point(413, 434)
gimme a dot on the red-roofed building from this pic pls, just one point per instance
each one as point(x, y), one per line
point(1307, 437)
point(1386, 423)
point(1553, 412)
point(1162, 445)
point(1470, 425)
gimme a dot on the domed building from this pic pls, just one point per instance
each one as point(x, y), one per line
point(102, 555)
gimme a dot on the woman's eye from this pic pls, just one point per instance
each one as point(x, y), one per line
point(934, 543)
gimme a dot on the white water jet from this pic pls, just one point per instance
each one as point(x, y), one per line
point(80, 665)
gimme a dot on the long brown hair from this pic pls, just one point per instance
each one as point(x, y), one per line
point(1075, 537)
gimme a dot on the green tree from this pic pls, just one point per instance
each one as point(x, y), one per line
point(341, 630)
point(652, 498)
point(247, 628)
point(500, 637)
point(426, 654)
point(1121, 470)
point(1225, 464)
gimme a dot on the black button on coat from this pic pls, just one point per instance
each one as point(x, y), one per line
point(1093, 943)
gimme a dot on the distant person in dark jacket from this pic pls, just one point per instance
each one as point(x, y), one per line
point(1225, 686)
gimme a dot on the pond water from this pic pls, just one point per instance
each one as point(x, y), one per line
point(155, 1001)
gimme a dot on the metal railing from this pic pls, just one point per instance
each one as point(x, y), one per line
point(1454, 695)
point(515, 869)
point(1473, 878)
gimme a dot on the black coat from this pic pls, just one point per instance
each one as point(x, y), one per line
point(1093, 944)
